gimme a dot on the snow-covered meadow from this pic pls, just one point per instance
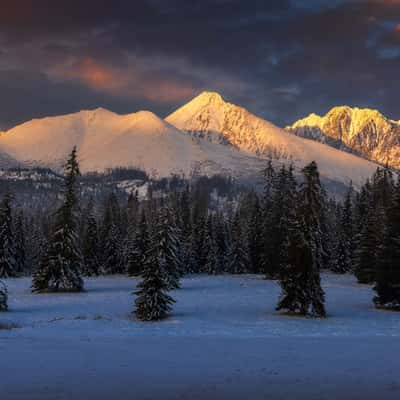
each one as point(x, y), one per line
point(223, 340)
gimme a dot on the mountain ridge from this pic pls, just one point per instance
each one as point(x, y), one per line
point(207, 135)
point(361, 131)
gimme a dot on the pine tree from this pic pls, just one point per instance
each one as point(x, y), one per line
point(8, 265)
point(153, 302)
point(20, 244)
point(238, 258)
point(387, 285)
point(3, 297)
point(169, 248)
point(90, 245)
point(61, 264)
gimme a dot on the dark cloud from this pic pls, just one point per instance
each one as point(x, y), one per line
point(281, 59)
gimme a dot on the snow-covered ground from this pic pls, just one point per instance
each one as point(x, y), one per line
point(223, 340)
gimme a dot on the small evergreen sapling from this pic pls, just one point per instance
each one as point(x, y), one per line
point(153, 302)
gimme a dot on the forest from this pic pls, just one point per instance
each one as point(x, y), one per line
point(289, 231)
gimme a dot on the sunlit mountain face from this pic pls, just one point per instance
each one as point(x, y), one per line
point(281, 60)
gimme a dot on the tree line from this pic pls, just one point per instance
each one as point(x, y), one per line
point(289, 232)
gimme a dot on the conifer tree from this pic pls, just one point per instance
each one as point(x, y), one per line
point(153, 302)
point(61, 264)
point(345, 241)
point(169, 248)
point(312, 199)
point(20, 244)
point(184, 223)
point(134, 258)
point(299, 278)
point(133, 209)
point(267, 219)
point(113, 263)
point(8, 266)
point(387, 285)
point(90, 245)
point(238, 258)
point(254, 237)
point(369, 241)
point(138, 247)
point(211, 266)
point(3, 297)
point(299, 273)
point(220, 240)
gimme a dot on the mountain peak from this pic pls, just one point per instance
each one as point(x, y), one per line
point(210, 96)
point(363, 131)
point(204, 99)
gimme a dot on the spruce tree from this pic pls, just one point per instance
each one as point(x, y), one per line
point(387, 285)
point(299, 272)
point(90, 245)
point(211, 266)
point(268, 252)
point(3, 297)
point(238, 257)
point(169, 248)
point(221, 245)
point(138, 247)
point(20, 244)
point(113, 263)
point(254, 237)
point(8, 265)
point(312, 197)
point(299, 279)
point(134, 258)
point(61, 264)
point(369, 242)
point(345, 241)
point(153, 302)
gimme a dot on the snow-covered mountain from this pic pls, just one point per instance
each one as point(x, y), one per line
point(364, 132)
point(106, 139)
point(209, 116)
point(223, 138)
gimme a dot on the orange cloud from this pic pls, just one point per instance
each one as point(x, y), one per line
point(91, 73)
point(123, 82)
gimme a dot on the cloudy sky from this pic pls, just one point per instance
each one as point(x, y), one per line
point(280, 59)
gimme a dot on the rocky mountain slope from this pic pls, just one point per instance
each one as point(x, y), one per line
point(364, 132)
point(209, 117)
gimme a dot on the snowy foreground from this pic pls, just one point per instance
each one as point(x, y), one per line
point(223, 341)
